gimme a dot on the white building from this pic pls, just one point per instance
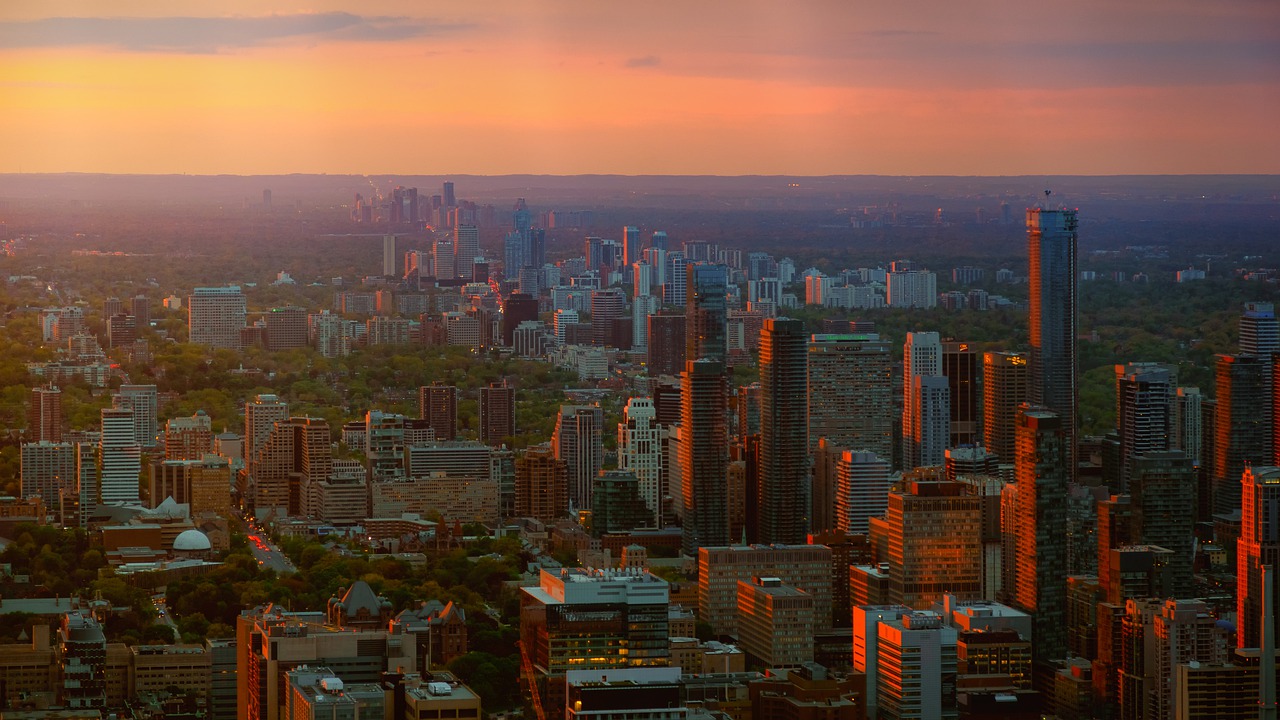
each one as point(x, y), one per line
point(640, 443)
point(119, 457)
point(862, 489)
point(913, 289)
point(215, 316)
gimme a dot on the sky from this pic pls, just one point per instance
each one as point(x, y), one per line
point(791, 87)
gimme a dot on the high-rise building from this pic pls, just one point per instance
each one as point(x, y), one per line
point(912, 289)
point(143, 401)
point(641, 441)
point(215, 316)
point(630, 244)
point(286, 328)
point(204, 485)
point(388, 255)
point(924, 441)
point(582, 619)
point(518, 308)
point(1240, 427)
point(607, 305)
point(1005, 379)
point(141, 311)
point(189, 438)
point(1144, 400)
point(704, 454)
point(466, 248)
point(642, 308)
point(542, 484)
point(851, 394)
point(934, 538)
point(784, 432)
point(119, 459)
point(1162, 490)
point(921, 356)
point(260, 416)
point(861, 483)
point(1038, 528)
point(447, 197)
point(1259, 329)
point(706, 312)
point(807, 567)
point(961, 367)
point(1259, 545)
point(916, 660)
point(1051, 242)
point(1188, 423)
point(295, 453)
point(775, 622)
point(438, 405)
point(48, 470)
point(443, 260)
point(578, 442)
point(666, 354)
point(497, 412)
point(44, 415)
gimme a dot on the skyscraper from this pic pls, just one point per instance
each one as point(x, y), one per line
point(922, 357)
point(666, 354)
point(1259, 329)
point(389, 255)
point(606, 306)
point(851, 393)
point(438, 405)
point(143, 401)
point(497, 412)
point(934, 541)
point(862, 489)
point(630, 244)
point(466, 247)
point(542, 484)
point(961, 367)
point(577, 441)
point(1239, 426)
point(44, 415)
point(260, 415)
point(640, 450)
point(215, 316)
point(1039, 528)
point(1144, 399)
point(1259, 545)
point(1051, 244)
point(119, 458)
point(784, 432)
point(1004, 389)
point(706, 312)
point(1162, 490)
point(704, 455)
point(1188, 423)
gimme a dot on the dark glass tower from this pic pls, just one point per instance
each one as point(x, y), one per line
point(784, 432)
point(704, 455)
point(706, 286)
point(1051, 245)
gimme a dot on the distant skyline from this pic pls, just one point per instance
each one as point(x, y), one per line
point(915, 87)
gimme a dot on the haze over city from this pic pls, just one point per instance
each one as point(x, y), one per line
point(813, 88)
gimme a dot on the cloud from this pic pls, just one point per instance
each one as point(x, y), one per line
point(208, 34)
point(643, 62)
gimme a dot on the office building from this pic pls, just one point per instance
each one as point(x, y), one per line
point(1038, 528)
point(912, 289)
point(143, 401)
point(921, 357)
point(932, 531)
point(666, 352)
point(1188, 423)
point(1144, 401)
point(261, 415)
point(1005, 378)
point(641, 441)
point(807, 567)
point(915, 664)
point(577, 441)
point(438, 405)
point(1240, 425)
point(703, 452)
point(924, 441)
point(188, 438)
point(616, 505)
point(1259, 330)
point(497, 412)
point(83, 658)
point(674, 278)
point(270, 642)
point(119, 459)
point(286, 328)
point(442, 259)
point(850, 391)
point(296, 452)
point(1259, 545)
point(861, 481)
point(706, 312)
point(1051, 243)
point(389, 253)
point(466, 248)
point(48, 470)
point(44, 415)
point(1162, 492)
point(775, 623)
point(961, 367)
point(542, 485)
point(784, 433)
point(584, 619)
point(317, 693)
point(215, 316)
point(518, 308)
point(203, 485)
point(607, 305)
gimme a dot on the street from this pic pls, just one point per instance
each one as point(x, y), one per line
point(267, 554)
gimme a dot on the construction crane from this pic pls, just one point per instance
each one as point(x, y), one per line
point(532, 680)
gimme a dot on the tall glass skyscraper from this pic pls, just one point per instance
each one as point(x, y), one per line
point(784, 432)
point(705, 312)
point(1051, 245)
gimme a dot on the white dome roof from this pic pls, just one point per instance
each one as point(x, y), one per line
point(191, 541)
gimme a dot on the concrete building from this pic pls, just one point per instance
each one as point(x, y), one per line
point(784, 433)
point(640, 450)
point(44, 415)
point(775, 623)
point(215, 316)
point(703, 450)
point(497, 412)
point(932, 531)
point(806, 567)
point(577, 441)
point(438, 405)
point(542, 485)
point(119, 459)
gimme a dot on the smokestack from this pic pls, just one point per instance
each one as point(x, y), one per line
point(1267, 653)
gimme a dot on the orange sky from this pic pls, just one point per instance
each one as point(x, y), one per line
point(570, 86)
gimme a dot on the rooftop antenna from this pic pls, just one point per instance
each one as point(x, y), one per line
point(1047, 193)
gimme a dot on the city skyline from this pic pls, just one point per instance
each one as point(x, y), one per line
point(760, 88)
